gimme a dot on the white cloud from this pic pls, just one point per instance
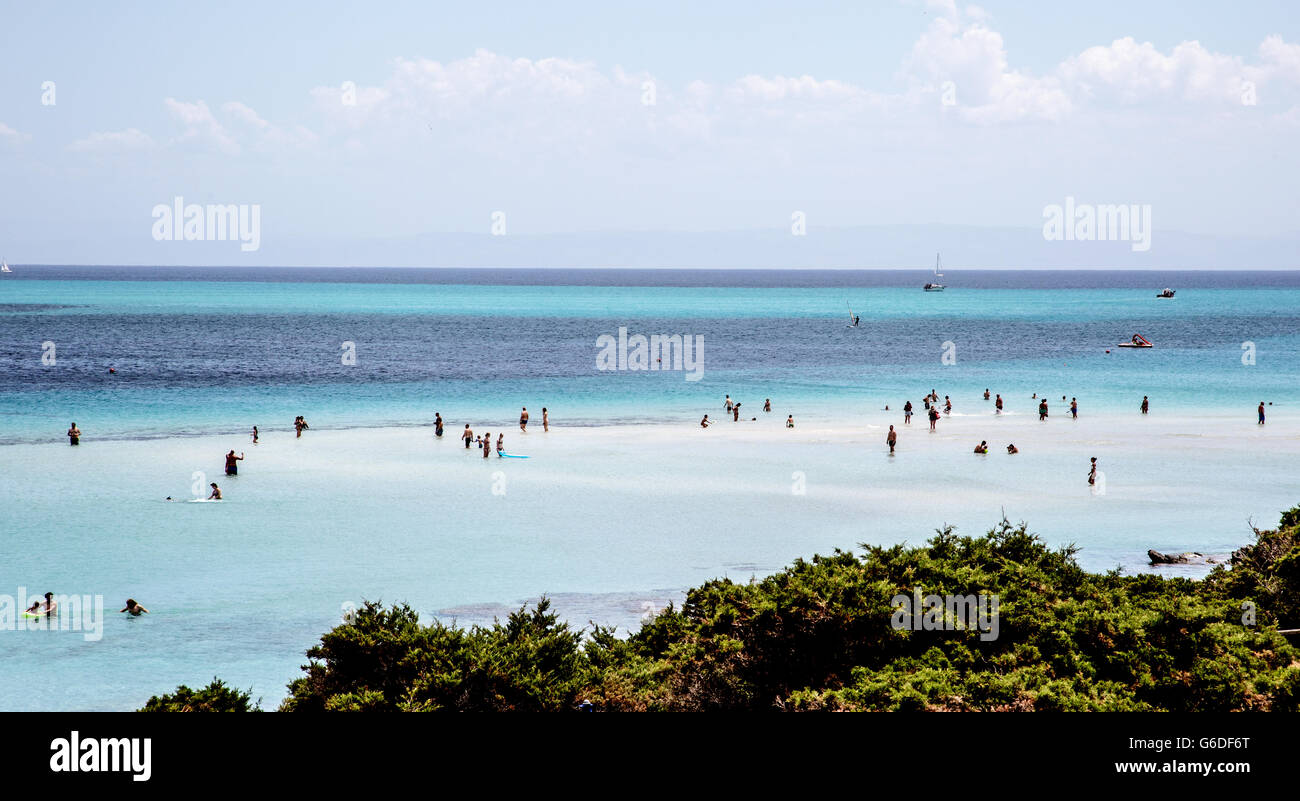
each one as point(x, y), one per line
point(103, 141)
point(201, 126)
point(262, 134)
point(11, 136)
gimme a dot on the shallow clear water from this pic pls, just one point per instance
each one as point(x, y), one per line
point(627, 501)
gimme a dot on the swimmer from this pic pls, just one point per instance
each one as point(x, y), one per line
point(546, 423)
point(74, 435)
point(437, 424)
point(1011, 448)
point(501, 445)
point(727, 403)
point(891, 439)
point(132, 608)
point(735, 413)
point(997, 405)
point(947, 405)
point(487, 443)
point(986, 393)
point(216, 492)
point(523, 420)
point(254, 435)
point(789, 421)
point(767, 405)
point(50, 607)
point(232, 462)
point(1074, 407)
point(983, 447)
point(468, 436)
point(1146, 405)
point(1042, 409)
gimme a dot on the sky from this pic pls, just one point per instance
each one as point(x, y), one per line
point(375, 128)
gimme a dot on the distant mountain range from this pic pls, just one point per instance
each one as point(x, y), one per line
point(911, 246)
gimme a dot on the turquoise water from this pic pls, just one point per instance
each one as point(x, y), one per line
point(626, 501)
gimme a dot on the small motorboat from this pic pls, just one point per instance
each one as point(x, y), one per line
point(1138, 341)
point(1168, 293)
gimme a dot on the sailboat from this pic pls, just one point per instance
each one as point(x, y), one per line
point(4, 266)
point(853, 320)
point(935, 286)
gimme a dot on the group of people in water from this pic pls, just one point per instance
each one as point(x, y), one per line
point(732, 408)
point(485, 440)
point(50, 607)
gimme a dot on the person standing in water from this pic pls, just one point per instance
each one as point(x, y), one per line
point(907, 413)
point(74, 434)
point(767, 405)
point(254, 435)
point(1074, 408)
point(997, 405)
point(546, 423)
point(1042, 409)
point(523, 420)
point(705, 422)
point(983, 447)
point(1092, 473)
point(487, 443)
point(468, 436)
point(216, 492)
point(300, 425)
point(789, 421)
point(437, 425)
point(501, 445)
point(934, 416)
point(1261, 413)
point(947, 405)
point(1146, 405)
point(986, 393)
point(1011, 448)
point(232, 463)
point(891, 439)
point(727, 403)
point(132, 608)
point(735, 413)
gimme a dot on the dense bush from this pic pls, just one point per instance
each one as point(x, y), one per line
point(216, 697)
point(818, 636)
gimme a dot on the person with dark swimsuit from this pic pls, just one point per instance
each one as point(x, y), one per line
point(468, 436)
point(523, 420)
point(232, 463)
point(74, 435)
point(891, 439)
point(437, 424)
